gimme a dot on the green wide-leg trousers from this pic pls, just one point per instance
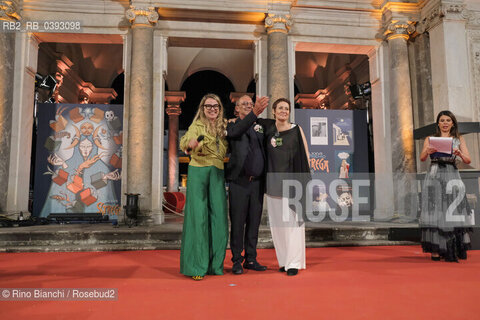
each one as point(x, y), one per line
point(205, 226)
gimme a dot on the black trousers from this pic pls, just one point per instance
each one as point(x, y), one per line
point(246, 204)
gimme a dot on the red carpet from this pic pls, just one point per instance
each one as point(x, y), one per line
point(340, 283)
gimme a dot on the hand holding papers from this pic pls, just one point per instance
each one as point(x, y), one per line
point(442, 145)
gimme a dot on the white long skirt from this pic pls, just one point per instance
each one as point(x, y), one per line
point(288, 235)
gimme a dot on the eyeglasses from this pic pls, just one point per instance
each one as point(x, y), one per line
point(246, 104)
point(211, 106)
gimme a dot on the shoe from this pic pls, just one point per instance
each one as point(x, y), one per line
point(436, 258)
point(282, 269)
point(292, 272)
point(450, 259)
point(237, 268)
point(462, 254)
point(197, 278)
point(254, 265)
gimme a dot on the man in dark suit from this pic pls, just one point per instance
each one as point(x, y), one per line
point(246, 171)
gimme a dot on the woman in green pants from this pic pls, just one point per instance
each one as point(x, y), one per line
point(205, 227)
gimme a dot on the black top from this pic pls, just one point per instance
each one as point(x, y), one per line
point(285, 154)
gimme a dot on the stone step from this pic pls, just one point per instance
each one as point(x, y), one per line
point(176, 246)
point(103, 237)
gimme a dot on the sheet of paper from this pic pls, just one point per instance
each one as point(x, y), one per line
point(443, 145)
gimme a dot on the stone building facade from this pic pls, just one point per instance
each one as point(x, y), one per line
point(420, 56)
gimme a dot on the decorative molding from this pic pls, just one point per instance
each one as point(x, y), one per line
point(79, 7)
point(436, 13)
point(317, 100)
point(473, 18)
point(8, 11)
point(71, 88)
point(142, 16)
point(278, 23)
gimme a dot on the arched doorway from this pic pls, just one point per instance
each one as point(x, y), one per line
point(199, 84)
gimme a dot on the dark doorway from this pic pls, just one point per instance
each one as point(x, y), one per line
point(118, 85)
point(199, 84)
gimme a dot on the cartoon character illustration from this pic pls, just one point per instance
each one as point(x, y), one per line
point(344, 166)
point(113, 122)
point(345, 199)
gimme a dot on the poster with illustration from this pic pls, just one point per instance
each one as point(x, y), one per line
point(342, 132)
point(343, 163)
point(78, 166)
point(318, 131)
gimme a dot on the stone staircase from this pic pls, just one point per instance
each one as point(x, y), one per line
point(105, 237)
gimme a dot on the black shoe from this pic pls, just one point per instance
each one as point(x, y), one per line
point(254, 265)
point(436, 258)
point(282, 269)
point(237, 268)
point(462, 254)
point(292, 272)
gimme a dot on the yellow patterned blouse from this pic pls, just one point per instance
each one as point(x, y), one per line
point(210, 152)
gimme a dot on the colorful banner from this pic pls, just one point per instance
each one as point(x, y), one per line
point(78, 165)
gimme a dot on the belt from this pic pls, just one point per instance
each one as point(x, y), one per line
point(443, 160)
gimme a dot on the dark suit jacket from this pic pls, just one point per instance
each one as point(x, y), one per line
point(238, 143)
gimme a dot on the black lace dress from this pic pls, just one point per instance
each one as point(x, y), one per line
point(446, 219)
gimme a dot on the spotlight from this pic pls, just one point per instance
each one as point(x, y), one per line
point(360, 91)
point(48, 82)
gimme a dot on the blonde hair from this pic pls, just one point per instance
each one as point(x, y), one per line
point(218, 128)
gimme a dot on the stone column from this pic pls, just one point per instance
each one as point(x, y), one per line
point(379, 75)
point(278, 77)
point(173, 98)
point(401, 117)
point(453, 67)
point(7, 61)
point(139, 153)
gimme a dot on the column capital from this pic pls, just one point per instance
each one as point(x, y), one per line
point(174, 99)
point(142, 16)
point(394, 29)
point(8, 11)
point(278, 23)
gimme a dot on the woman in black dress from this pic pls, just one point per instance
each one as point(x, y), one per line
point(446, 218)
